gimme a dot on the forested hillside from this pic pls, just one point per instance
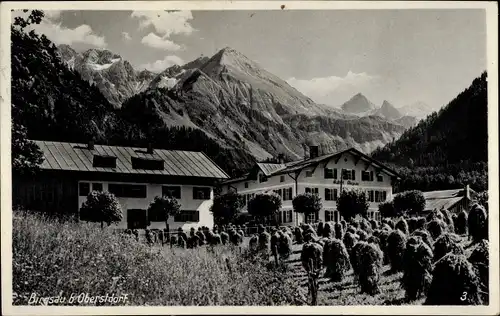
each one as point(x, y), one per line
point(449, 148)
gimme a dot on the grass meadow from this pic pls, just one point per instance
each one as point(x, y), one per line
point(52, 258)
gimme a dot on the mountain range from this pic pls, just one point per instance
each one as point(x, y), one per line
point(233, 100)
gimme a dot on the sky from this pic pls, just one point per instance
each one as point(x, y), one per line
point(402, 56)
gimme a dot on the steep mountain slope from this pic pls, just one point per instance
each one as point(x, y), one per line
point(387, 111)
point(447, 149)
point(114, 76)
point(170, 76)
point(418, 110)
point(243, 106)
point(358, 104)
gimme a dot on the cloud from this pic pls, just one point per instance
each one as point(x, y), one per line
point(333, 89)
point(155, 41)
point(59, 34)
point(165, 23)
point(162, 64)
point(126, 36)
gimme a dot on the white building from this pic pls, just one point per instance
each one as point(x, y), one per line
point(134, 175)
point(320, 175)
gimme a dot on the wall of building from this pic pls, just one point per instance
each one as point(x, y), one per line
point(152, 189)
point(317, 180)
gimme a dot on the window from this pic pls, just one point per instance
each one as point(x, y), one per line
point(128, 190)
point(329, 194)
point(285, 216)
point(171, 191)
point(380, 178)
point(312, 190)
point(309, 174)
point(289, 216)
point(282, 178)
point(187, 216)
point(366, 175)
point(104, 161)
point(335, 173)
point(287, 194)
point(278, 192)
point(329, 173)
point(262, 178)
point(348, 174)
point(336, 216)
point(84, 188)
point(311, 217)
point(370, 196)
point(201, 193)
point(329, 216)
point(246, 185)
point(97, 186)
point(147, 164)
point(384, 196)
point(377, 196)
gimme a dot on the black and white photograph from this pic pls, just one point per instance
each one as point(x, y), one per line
point(289, 155)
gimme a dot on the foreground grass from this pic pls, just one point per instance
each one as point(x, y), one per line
point(53, 258)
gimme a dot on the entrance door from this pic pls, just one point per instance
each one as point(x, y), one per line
point(137, 219)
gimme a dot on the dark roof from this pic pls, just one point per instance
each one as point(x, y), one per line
point(77, 157)
point(272, 169)
point(299, 165)
point(445, 198)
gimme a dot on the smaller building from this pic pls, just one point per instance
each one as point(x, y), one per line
point(452, 200)
point(134, 175)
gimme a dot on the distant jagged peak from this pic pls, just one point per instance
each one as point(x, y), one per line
point(358, 104)
point(387, 104)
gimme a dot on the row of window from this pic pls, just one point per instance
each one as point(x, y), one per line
point(285, 216)
point(140, 190)
point(333, 194)
point(285, 193)
point(329, 173)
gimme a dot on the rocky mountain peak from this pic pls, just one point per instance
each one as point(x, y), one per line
point(358, 104)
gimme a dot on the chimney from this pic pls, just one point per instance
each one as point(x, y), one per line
point(313, 152)
point(467, 192)
point(90, 145)
point(150, 148)
point(281, 158)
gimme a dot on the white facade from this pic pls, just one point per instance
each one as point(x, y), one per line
point(313, 178)
point(136, 202)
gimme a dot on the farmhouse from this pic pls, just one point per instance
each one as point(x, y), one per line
point(452, 200)
point(134, 175)
point(326, 175)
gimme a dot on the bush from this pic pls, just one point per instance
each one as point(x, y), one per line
point(436, 227)
point(173, 240)
point(386, 227)
point(336, 260)
point(365, 225)
point(389, 222)
point(478, 223)
point(425, 235)
point(226, 207)
point(420, 224)
point(311, 252)
point(402, 226)
point(409, 202)
point(453, 276)
point(319, 230)
point(327, 230)
point(387, 209)
point(349, 240)
point(215, 240)
point(368, 257)
point(446, 243)
point(412, 224)
point(461, 225)
point(417, 268)
point(236, 239)
point(352, 229)
point(264, 241)
point(274, 243)
point(224, 237)
point(344, 224)
point(433, 215)
point(374, 224)
point(339, 231)
point(298, 235)
point(101, 207)
point(363, 236)
point(351, 203)
point(448, 220)
point(396, 243)
point(284, 245)
point(374, 240)
point(253, 243)
point(263, 206)
point(479, 258)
